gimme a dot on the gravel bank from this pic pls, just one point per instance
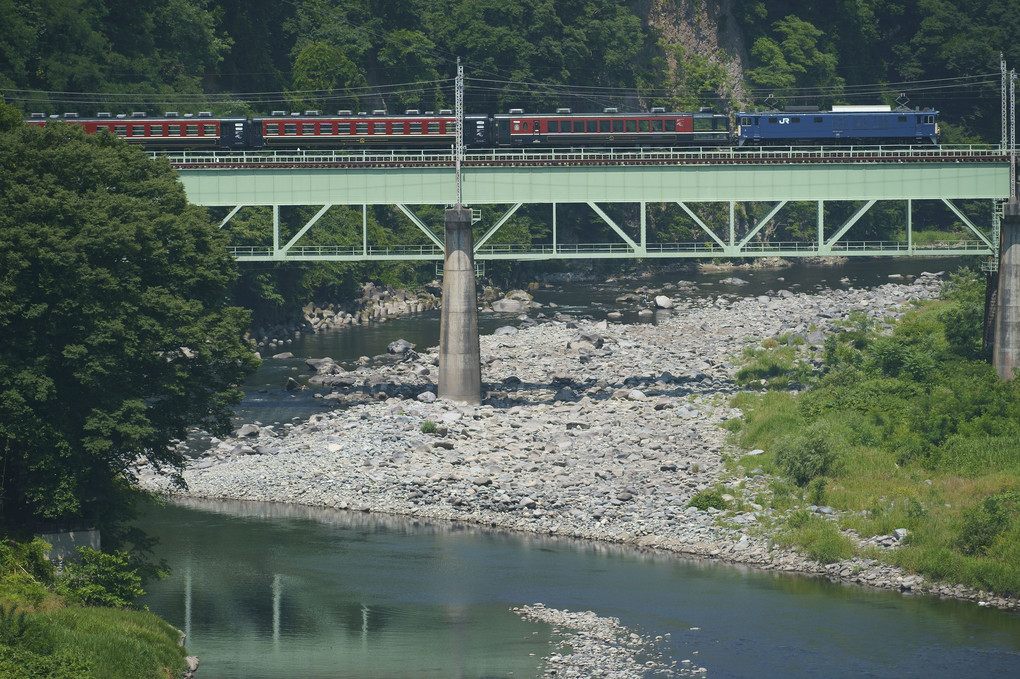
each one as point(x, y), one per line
point(591, 429)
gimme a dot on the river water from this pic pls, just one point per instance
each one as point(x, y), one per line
point(283, 592)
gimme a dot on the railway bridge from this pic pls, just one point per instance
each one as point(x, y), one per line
point(690, 178)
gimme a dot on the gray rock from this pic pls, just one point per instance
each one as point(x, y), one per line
point(399, 347)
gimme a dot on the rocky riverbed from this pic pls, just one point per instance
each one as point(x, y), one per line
point(594, 430)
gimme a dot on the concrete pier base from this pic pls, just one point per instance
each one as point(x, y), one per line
point(1006, 354)
point(460, 366)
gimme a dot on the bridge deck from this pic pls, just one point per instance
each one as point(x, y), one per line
point(636, 176)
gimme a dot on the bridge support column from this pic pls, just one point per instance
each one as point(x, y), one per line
point(460, 366)
point(1006, 355)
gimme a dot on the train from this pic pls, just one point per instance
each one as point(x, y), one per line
point(801, 125)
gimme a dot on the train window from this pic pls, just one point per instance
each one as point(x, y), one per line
point(102, 128)
point(138, 130)
point(918, 119)
point(272, 128)
point(591, 126)
point(929, 119)
point(209, 130)
point(554, 126)
point(745, 121)
point(773, 120)
point(120, 129)
point(433, 127)
point(378, 128)
point(290, 128)
point(643, 125)
point(604, 126)
point(343, 128)
point(656, 126)
point(191, 130)
point(702, 123)
point(307, 128)
point(632, 126)
point(817, 119)
point(617, 126)
point(415, 128)
point(360, 128)
point(325, 128)
point(173, 130)
point(155, 130)
point(451, 127)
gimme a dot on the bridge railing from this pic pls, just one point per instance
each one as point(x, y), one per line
point(312, 158)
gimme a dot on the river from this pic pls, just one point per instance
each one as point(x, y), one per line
point(277, 591)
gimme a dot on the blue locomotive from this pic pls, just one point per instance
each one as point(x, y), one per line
point(841, 125)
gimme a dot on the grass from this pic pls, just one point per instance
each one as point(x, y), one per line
point(909, 429)
point(45, 634)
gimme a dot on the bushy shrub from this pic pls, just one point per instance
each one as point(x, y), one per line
point(707, 498)
point(983, 524)
point(806, 455)
point(428, 427)
point(103, 579)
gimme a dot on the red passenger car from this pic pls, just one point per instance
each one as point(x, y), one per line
point(170, 131)
point(312, 130)
point(609, 128)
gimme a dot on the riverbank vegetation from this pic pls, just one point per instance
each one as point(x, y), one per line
point(81, 625)
point(905, 426)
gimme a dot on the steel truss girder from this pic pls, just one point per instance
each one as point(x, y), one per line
point(627, 247)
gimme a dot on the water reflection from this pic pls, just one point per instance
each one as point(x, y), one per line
point(270, 591)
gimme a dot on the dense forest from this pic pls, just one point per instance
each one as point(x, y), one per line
point(255, 56)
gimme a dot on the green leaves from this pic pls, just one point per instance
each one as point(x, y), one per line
point(107, 275)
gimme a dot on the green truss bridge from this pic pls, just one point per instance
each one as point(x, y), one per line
point(701, 182)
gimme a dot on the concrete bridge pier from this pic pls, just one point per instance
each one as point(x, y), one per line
point(460, 366)
point(1006, 355)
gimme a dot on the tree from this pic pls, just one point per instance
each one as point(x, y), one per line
point(117, 338)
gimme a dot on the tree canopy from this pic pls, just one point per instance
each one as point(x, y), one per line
point(117, 337)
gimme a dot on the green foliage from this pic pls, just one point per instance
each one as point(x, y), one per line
point(428, 427)
point(809, 454)
point(913, 427)
point(704, 499)
point(986, 523)
point(118, 340)
point(102, 579)
point(820, 538)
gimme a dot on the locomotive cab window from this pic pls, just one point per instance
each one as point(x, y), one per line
point(929, 119)
point(747, 121)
